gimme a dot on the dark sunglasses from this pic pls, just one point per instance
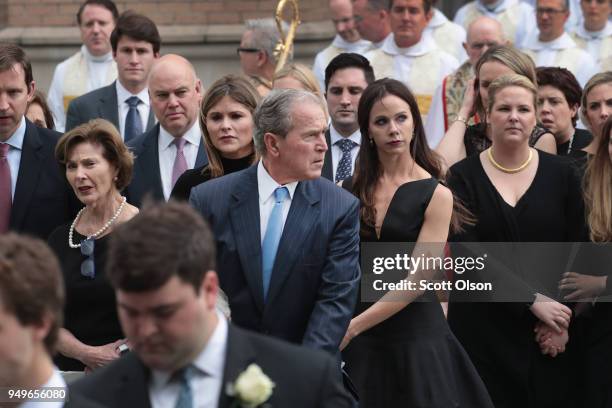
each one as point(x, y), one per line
point(88, 268)
point(246, 49)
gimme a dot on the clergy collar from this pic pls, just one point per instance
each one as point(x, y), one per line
point(582, 32)
point(438, 19)
point(108, 57)
point(500, 7)
point(341, 43)
point(561, 43)
point(425, 45)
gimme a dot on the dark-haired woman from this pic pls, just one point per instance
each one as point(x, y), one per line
point(399, 351)
point(226, 120)
point(559, 96)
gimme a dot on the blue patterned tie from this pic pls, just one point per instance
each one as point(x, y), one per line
point(272, 237)
point(133, 123)
point(185, 396)
point(344, 166)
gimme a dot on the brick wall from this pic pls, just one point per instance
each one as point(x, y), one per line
point(61, 13)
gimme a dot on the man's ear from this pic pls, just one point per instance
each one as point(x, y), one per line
point(210, 288)
point(271, 142)
point(31, 90)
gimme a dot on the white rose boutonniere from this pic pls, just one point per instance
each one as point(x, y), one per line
point(252, 387)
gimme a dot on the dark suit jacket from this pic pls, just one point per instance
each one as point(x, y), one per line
point(303, 378)
point(315, 277)
point(43, 200)
point(146, 179)
point(328, 164)
point(100, 103)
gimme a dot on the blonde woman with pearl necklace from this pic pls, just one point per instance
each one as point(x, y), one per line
point(516, 194)
point(97, 166)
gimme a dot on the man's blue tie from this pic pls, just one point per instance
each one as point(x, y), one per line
point(344, 165)
point(133, 123)
point(272, 237)
point(185, 396)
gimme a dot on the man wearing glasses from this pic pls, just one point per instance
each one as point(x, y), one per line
point(594, 33)
point(550, 45)
point(347, 38)
point(256, 52)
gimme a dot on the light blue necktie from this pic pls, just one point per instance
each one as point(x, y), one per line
point(133, 123)
point(272, 237)
point(185, 396)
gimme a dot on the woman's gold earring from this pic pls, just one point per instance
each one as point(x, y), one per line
point(371, 142)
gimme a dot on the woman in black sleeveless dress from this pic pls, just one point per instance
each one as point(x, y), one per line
point(402, 352)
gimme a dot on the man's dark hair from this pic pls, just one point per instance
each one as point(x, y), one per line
point(349, 60)
point(163, 241)
point(107, 4)
point(31, 284)
point(427, 5)
point(138, 27)
point(11, 54)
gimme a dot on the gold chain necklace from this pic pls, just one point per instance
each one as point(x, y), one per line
point(505, 169)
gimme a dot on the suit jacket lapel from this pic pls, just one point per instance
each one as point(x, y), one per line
point(201, 158)
point(302, 214)
point(32, 156)
point(133, 384)
point(328, 165)
point(244, 218)
point(151, 119)
point(109, 106)
point(149, 164)
point(238, 356)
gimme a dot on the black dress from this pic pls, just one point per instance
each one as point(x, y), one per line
point(580, 140)
point(499, 337)
point(90, 313)
point(191, 178)
point(411, 359)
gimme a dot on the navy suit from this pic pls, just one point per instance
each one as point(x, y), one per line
point(100, 103)
point(43, 200)
point(147, 178)
point(314, 283)
point(302, 378)
point(328, 163)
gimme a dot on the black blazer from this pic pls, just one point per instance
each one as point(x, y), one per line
point(100, 103)
point(43, 200)
point(328, 164)
point(303, 378)
point(146, 178)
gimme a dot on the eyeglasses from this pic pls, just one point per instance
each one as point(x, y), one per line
point(88, 268)
point(246, 49)
point(549, 11)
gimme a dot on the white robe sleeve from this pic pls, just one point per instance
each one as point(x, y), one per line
point(55, 98)
point(434, 127)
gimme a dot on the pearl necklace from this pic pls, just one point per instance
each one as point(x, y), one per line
point(98, 232)
point(505, 169)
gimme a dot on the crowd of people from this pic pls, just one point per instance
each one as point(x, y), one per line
point(203, 241)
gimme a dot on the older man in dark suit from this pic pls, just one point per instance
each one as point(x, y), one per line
point(184, 353)
point(287, 239)
point(174, 144)
point(135, 42)
point(34, 196)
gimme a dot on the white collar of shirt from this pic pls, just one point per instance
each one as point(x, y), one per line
point(561, 43)
point(211, 359)
point(334, 136)
point(102, 58)
point(193, 136)
point(499, 9)
point(425, 45)
point(55, 381)
point(16, 139)
point(267, 185)
point(581, 31)
point(437, 20)
point(123, 94)
point(356, 46)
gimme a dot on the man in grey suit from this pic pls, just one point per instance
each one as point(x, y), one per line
point(125, 103)
point(287, 239)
